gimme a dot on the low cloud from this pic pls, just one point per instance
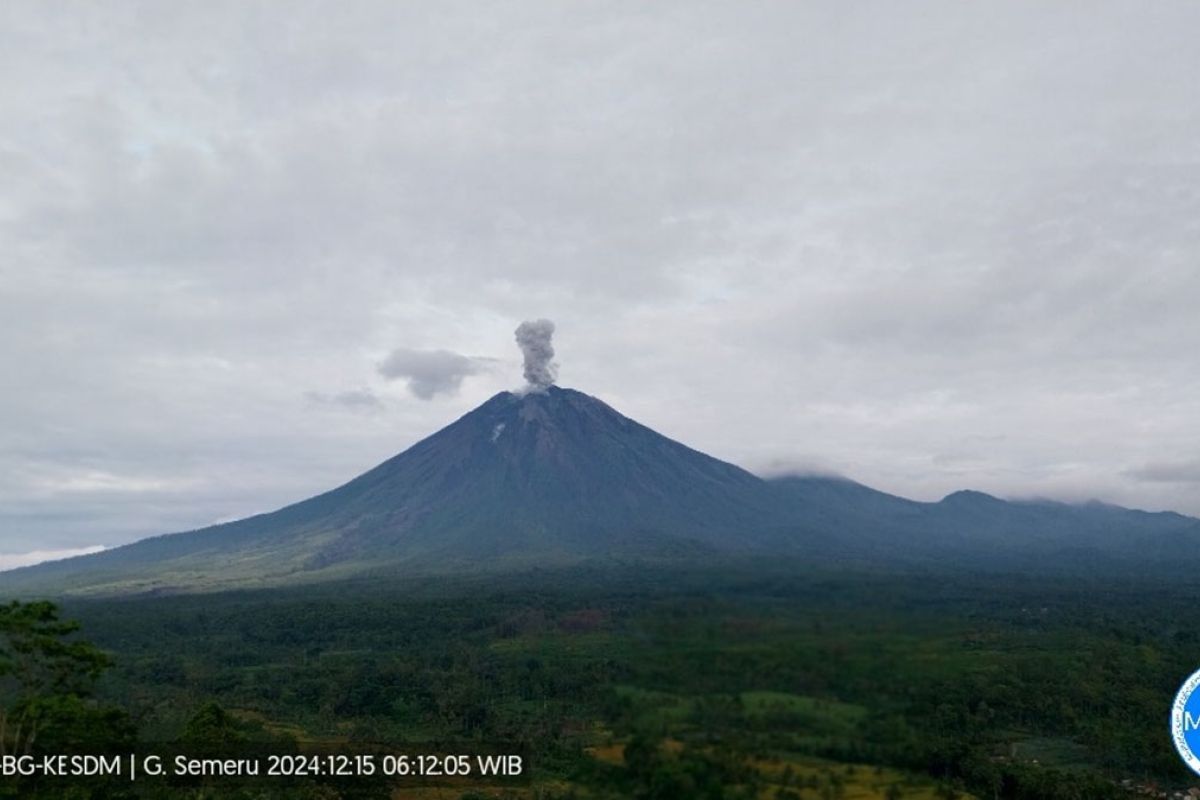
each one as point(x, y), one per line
point(796, 468)
point(429, 372)
point(14, 560)
point(363, 400)
point(1168, 472)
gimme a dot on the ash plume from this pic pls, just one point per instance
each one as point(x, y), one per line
point(533, 336)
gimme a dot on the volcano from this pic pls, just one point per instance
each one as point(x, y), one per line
point(542, 477)
point(555, 476)
point(546, 474)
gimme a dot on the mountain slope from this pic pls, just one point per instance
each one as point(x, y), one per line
point(534, 478)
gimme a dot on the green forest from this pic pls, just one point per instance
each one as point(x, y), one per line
point(753, 681)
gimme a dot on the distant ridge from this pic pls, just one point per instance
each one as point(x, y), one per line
point(556, 476)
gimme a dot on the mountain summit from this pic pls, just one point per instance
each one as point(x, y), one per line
point(554, 476)
point(548, 473)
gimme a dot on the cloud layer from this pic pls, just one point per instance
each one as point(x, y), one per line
point(930, 246)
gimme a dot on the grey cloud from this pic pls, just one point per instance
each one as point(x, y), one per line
point(353, 399)
point(429, 372)
point(1168, 472)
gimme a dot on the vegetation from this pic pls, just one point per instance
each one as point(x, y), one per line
point(763, 682)
point(46, 680)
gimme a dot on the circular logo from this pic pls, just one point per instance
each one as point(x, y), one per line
point(1185, 722)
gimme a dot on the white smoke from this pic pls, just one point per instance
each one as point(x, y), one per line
point(534, 336)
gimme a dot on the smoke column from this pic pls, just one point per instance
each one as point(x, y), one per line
point(533, 336)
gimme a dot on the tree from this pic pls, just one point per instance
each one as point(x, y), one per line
point(45, 673)
point(211, 727)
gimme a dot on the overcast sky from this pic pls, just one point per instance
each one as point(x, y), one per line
point(249, 250)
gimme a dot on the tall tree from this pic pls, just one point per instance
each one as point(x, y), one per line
point(44, 671)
